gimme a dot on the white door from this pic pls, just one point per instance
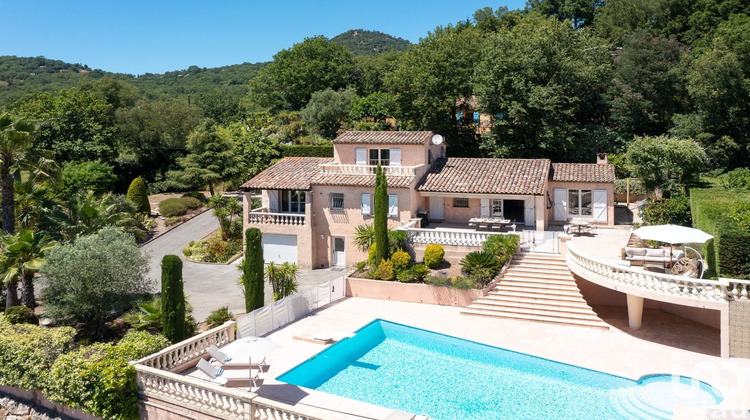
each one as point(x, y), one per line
point(600, 205)
point(436, 208)
point(484, 207)
point(339, 252)
point(561, 204)
point(280, 248)
point(529, 212)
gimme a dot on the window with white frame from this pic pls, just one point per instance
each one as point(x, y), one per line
point(293, 201)
point(579, 202)
point(497, 208)
point(392, 205)
point(366, 204)
point(460, 202)
point(381, 156)
point(337, 201)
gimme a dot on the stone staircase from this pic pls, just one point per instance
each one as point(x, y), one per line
point(537, 287)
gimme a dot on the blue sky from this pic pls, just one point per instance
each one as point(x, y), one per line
point(139, 36)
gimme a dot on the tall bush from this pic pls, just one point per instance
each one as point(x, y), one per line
point(252, 270)
point(283, 279)
point(172, 298)
point(433, 255)
point(380, 221)
point(662, 211)
point(138, 195)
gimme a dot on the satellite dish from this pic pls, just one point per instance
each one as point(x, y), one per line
point(437, 139)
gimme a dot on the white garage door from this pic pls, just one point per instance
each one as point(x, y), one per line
point(280, 248)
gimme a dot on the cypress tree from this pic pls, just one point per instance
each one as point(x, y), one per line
point(172, 299)
point(138, 195)
point(380, 221)
point(252, 270)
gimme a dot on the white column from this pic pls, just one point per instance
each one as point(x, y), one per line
point(635, 312)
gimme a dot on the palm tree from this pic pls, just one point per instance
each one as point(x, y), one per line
point(16, 139)
point(21, 257)
point(88, 213)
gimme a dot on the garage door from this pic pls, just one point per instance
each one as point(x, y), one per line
point(280, 248)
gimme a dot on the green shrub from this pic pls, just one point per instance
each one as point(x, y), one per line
point(360, 266)
point(191, 203)
point(27, 353)
point(172, 299)
point(736, 179)
point(433, 255)
point(372, 272)
point(252, 270)
point(502, 247)
point(636, 187)
point(197, 195)
point(219, 317)
point(482, 276)
point(662, 211)
point(479, 260)
point(138, 195)
point(385, 270)
point(87, 176)
point(463, 283)
point(437, 280)
point(396, 240)
point(172, 207)
point(169, 221)
point(404, 276)
point(21, 315)
point(307, 150)
point(400, 260)
point(740, 213)
point(98, 378)
point(372, 255)
point(419, 271)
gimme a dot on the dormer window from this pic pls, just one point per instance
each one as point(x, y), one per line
point(381, 156)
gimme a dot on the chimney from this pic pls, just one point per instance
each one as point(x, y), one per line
point(601, 158)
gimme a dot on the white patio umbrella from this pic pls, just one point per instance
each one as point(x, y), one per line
point(257, 347)
point(672, 234)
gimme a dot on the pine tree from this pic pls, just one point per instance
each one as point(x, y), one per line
point(172, 299)
point(252, 270)
point(138, 195)
point(381, 216)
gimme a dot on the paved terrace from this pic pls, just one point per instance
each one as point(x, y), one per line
point(615, 351)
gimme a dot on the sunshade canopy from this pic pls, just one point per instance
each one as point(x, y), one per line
point(672, 234)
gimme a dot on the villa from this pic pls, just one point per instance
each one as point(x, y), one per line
point(312, 206)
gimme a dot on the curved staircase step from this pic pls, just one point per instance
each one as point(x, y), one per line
point(538, 318)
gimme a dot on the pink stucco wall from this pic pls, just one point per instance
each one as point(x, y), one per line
point(408, 292)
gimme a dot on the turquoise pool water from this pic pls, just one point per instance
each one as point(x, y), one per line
point(423, 372)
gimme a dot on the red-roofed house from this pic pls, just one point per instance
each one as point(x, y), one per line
point(312, 206)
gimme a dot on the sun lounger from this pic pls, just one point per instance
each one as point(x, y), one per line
point(228, 362)
point(224, 377)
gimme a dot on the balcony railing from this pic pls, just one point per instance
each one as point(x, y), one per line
point(264, 217)
point(608, 274)
point(339, 169)
point(449, 237)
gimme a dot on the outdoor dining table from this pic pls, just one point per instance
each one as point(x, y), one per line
point(489, 221)
point(580, 224)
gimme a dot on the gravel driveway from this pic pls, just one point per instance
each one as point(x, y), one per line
point(210, 286)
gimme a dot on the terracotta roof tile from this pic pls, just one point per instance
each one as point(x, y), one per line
point(583, 172)
point(384, 137)
point(487, 176)
point(293, 173)
point(362, 180)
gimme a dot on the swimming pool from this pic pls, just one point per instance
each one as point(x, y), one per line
point(445, 377)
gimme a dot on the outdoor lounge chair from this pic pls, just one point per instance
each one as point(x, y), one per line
point(223, 377)
point(228, 362)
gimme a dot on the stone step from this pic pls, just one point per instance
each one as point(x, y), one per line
point(529, 307)
point(545, 300)
point(519, 295)
point(506, 283)
point(531, 292)
point(513, 278)
point(538, 318)
point(546, 276)
point(542, 263)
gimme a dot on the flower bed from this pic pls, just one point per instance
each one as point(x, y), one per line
point(212, 249)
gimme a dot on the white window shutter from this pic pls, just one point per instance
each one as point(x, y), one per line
point(273, 201)
point(366, 204)
point(484, 208)
point(360, 156)
point(600, 205)
point(561, 204)
point(392, 205)
point(395, 157)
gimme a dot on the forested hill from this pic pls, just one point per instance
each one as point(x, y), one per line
point(22, 75)
point(362, 42)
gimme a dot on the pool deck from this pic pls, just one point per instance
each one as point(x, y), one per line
point(611, 351)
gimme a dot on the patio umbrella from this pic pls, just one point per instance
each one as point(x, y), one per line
point(672, 234)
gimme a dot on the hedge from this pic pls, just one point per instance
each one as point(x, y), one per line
point(304, 150)
point(728, 254)
point(95, 378)
point(172, 207)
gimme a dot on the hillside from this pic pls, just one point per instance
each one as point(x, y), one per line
point(23, 75)
point(362, 42)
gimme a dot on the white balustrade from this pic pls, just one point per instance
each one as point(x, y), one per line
point(738, 289)
point(664, 284)
point(449, 237)
point(183, 352)
point(335, 168)
point(263, 216)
